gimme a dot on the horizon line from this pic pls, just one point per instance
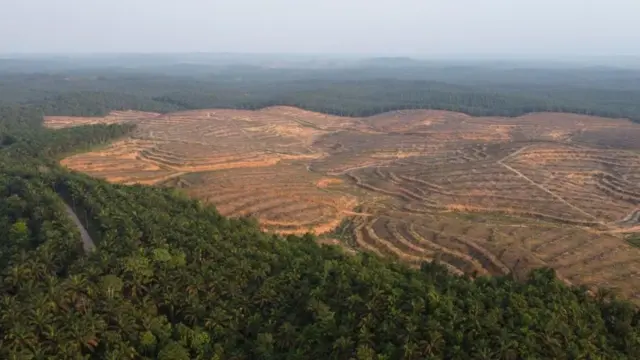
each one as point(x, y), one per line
point(324, 54)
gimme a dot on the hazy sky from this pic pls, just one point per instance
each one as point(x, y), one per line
point(394, 27)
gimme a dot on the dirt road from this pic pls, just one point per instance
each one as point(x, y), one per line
point(543, 188)
point(87, 242)
point(342, 172)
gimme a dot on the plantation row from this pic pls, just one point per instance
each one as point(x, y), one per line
point(284, 198)
point(416, 243)
point(498, 246)
point(484, 185)
point(592, 180)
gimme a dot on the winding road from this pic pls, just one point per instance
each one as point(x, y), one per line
point(87, 242)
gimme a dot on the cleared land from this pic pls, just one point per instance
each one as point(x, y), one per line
point(58, 122)
point(484, 195)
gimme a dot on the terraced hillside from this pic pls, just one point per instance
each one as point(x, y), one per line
point(483, 195)
point(286, 198)
point(58, 122)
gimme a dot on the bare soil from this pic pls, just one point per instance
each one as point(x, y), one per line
point(484, 195)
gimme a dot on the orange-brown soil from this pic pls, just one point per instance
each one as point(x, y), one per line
point(484, 195)
point(115, 117)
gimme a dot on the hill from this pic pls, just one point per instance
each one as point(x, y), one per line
point(486, 195)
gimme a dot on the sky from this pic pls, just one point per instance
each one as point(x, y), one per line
point(543, 28)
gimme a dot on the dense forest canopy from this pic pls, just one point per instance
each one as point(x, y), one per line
point(172, 279)
point(364, 89)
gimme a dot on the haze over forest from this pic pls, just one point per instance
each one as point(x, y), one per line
point(544, 29)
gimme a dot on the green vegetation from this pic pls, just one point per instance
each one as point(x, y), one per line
point(356, 92)
point(344, 232)
point(634, 240)
point(172, 279)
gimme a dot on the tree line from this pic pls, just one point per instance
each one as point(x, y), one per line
point(358, 92)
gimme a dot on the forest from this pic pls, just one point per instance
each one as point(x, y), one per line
point(357, 91)
point(173, 279)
